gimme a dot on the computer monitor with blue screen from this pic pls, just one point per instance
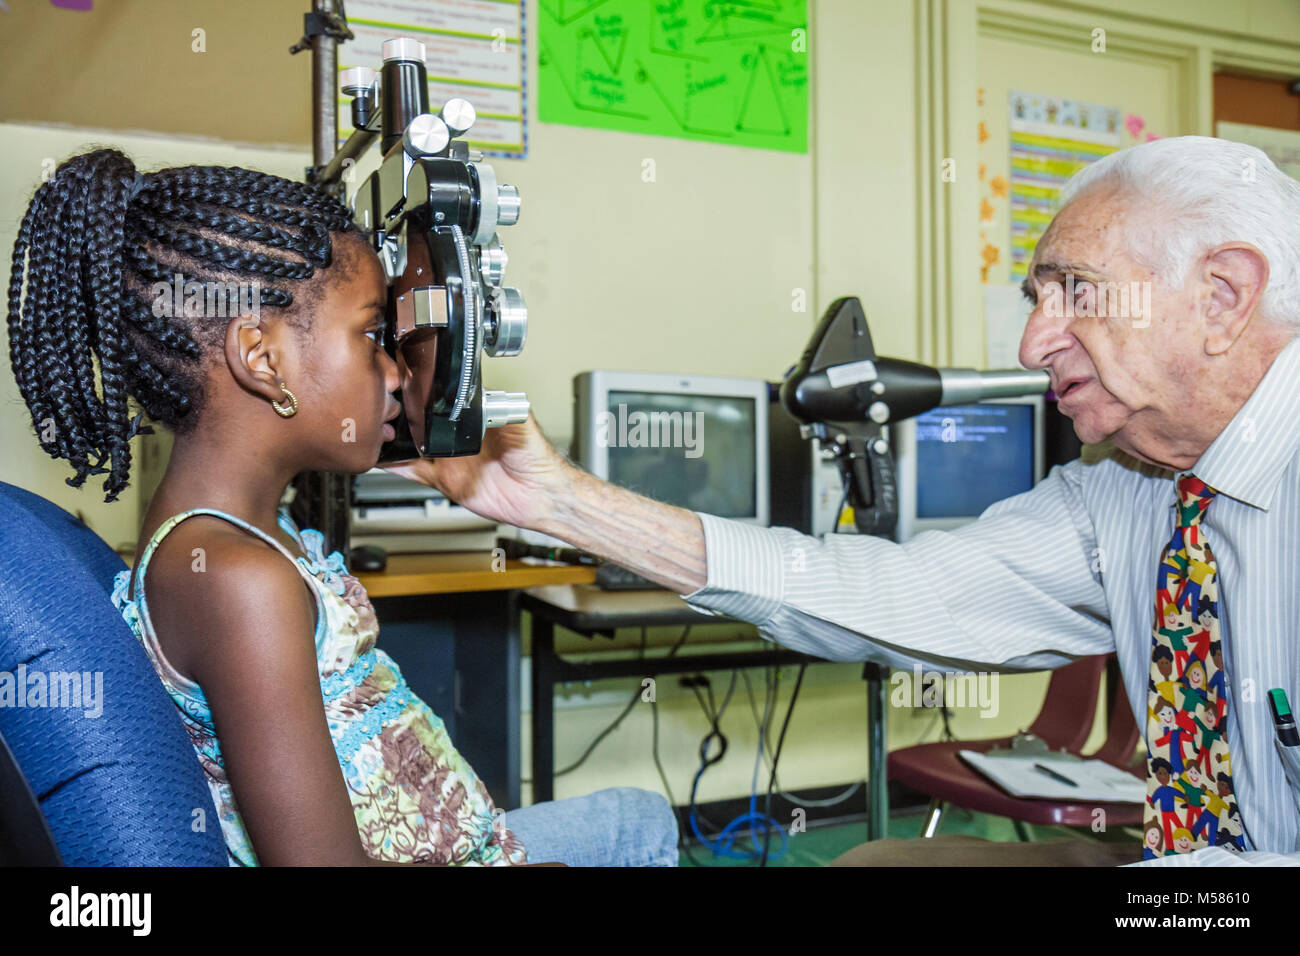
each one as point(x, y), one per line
point(698, 442)
point(954, 462)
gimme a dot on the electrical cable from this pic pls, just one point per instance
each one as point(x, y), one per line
point(626, 710)
point(844, 499)
point(722, 843)
point(795, 798)
point(758, 763)
point(947, 727)
point(715, 733)
point(776, 759)
point(682, 844)
point(636, 695)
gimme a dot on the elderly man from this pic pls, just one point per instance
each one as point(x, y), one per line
point(1182, 534)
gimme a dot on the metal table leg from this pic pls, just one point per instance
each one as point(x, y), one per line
point(543, 682)
point(877, 676)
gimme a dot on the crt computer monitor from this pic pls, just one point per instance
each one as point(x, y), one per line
point(695, 441)
point(953, 462)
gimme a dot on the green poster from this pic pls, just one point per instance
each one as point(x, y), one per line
point(725, 71)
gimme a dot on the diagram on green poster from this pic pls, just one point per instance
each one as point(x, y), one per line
point(725, 71)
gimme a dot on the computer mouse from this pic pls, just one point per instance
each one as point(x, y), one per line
point(367, 557)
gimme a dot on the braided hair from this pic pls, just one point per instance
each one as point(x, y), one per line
point(97, 245)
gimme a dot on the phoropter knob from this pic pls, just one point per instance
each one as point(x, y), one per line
point(357, 80)
point(493, 261)
point(504, 408)
point(459, 115)
point(507, 205)
point(402, 48)
point(427, 135)
point(506, 324)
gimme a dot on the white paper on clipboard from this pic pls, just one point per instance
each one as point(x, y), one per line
point(1096, 780)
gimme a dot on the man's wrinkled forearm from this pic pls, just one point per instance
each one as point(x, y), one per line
point(658, 541)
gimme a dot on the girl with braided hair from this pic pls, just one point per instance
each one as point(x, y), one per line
point(314, 748)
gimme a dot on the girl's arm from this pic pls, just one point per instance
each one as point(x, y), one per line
point(248, 622)
point(245, 626)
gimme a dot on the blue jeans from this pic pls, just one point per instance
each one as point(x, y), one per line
point(619, 826)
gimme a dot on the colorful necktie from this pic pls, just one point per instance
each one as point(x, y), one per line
point(1189, 773)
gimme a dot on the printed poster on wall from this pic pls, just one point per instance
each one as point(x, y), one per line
point(1052, 138)
point(474, 49)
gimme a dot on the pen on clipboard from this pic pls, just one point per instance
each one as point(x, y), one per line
point(1283, 719)
point(1054, 775)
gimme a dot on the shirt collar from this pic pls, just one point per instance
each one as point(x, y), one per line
point(1247, 459)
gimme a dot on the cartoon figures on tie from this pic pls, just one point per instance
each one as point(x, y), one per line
point(1206, 614)
point(1217, 683)
point(1193, 786)
point(1173, 629)
point(1216, 809)
point(1163, 658)
point(1177, 733)
point(1161, 719)
point(1199, 569)
point(1167, 799)
point(1231, 828)
point(1152, 840)
point(1207, 720)
point(1182, 840)
point(1192, 684)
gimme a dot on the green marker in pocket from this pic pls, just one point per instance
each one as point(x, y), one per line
point(1283, 719)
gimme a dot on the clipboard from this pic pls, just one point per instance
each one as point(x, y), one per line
point(1094, 780)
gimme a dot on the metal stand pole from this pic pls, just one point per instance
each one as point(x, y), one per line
point(324, 90)
point(326, 503)
point(876, 676)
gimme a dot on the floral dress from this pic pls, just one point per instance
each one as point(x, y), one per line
point(415, 798)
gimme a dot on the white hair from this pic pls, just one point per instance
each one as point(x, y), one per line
point(1208, 191)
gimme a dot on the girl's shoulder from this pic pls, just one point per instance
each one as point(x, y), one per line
point(202, 572)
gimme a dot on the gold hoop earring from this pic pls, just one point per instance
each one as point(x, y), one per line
point(286, 412)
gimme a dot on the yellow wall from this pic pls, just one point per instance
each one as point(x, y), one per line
point(135, 65)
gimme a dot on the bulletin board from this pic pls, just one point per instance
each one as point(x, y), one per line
point(1051, 139)
point(1043, 113)
point(733, 73)
point(474, 49)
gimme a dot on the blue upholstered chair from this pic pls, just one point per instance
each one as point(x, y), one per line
point(119, 789)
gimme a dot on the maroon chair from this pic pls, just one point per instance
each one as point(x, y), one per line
point(1065, 721)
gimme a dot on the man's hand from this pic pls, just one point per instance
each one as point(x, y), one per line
point(520, 479)
point(513, 479)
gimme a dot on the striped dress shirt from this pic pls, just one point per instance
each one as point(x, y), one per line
point(1063, 571)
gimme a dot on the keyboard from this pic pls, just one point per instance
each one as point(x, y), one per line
point(614, 577)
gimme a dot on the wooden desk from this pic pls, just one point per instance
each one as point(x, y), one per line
point(452, 623)
point(458, 571)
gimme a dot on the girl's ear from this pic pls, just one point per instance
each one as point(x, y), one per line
point(252, 355)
